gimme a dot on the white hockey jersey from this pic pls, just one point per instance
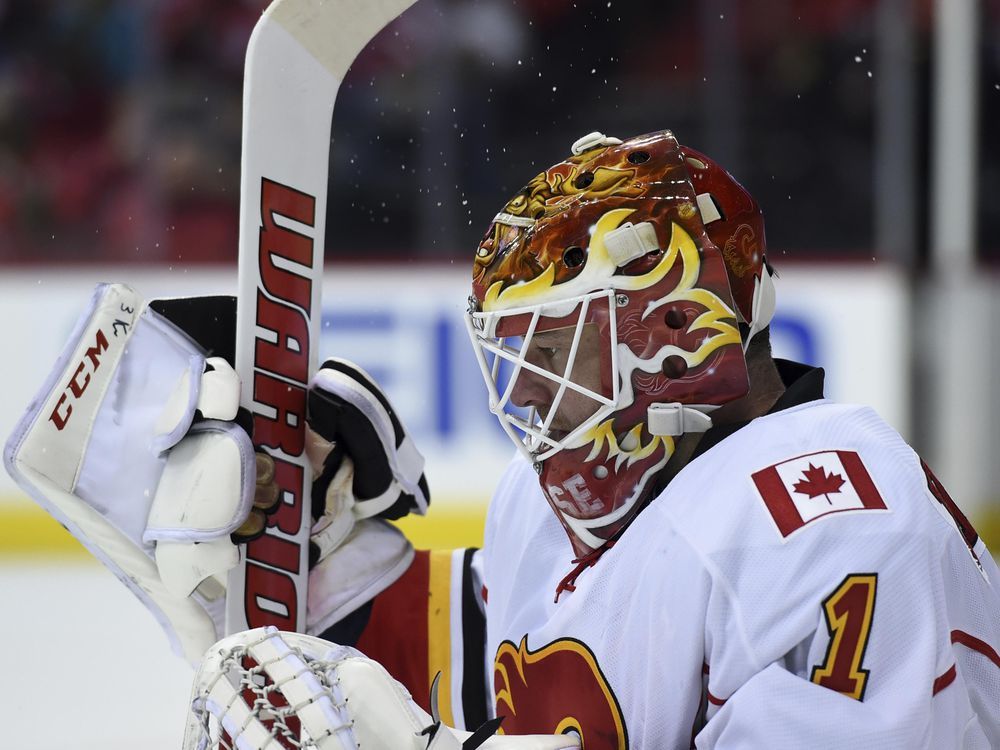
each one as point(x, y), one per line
point(803, 583)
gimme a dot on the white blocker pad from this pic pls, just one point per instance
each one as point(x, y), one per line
point(107, 428)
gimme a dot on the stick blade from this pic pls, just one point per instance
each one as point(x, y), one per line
point(335, 31)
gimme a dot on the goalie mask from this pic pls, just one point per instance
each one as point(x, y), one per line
point(607, 298)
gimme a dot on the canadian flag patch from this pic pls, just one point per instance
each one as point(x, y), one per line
point(806, 488)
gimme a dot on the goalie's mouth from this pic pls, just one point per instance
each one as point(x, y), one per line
point(543, 441)
point(557, 434)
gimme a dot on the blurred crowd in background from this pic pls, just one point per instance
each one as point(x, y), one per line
point(120, 119)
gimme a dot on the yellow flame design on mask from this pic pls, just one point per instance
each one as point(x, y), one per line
point(559, 189)
point(596, 274)
point(599, 273)
point(603, 434)
point(716, 312)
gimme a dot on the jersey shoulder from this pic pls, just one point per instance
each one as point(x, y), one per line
point(787, 509)
point(805, 507)
point(790, 478)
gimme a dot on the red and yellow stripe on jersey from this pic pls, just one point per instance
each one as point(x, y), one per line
point(431, 621)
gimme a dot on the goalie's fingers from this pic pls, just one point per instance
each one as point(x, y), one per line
point(347, 408)
point(250, 529)
point(265, 468)
point(267, 494)
point(342, 423)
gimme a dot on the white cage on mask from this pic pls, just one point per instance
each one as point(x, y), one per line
point(533, 432)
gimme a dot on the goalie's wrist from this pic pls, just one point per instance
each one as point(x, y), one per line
point(373, 557)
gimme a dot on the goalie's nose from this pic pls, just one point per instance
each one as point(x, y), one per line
point(532, 390)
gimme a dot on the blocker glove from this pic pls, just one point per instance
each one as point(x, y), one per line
point(367, 470)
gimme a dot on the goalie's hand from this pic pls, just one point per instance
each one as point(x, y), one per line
point(365, 463)
point(266, 497)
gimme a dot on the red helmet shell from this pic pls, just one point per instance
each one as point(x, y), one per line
point(738, 233)
point(675, 319)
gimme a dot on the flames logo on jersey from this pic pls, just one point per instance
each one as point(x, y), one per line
point(557, 689)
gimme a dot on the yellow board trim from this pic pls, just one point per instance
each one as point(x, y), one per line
point(28, 531)
point(439, 630)
point(447, 525)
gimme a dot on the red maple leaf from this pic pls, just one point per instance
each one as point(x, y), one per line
point(815, 482)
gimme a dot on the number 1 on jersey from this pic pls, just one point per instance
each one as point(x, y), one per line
point(848, 612)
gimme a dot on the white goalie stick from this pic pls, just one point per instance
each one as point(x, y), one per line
point(298, 55)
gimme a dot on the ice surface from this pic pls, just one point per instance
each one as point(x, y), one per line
point(86, 666)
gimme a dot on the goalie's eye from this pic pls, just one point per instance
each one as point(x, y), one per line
point(553, 344)
point(546, 349)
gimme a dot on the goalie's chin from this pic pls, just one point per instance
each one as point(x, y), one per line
point(558, 435)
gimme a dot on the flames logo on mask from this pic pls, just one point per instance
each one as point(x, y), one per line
point(557, 689)
point(717, 320)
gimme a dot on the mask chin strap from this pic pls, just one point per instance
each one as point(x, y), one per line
point(676, 419)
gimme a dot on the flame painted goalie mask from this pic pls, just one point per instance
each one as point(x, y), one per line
point(607, 298)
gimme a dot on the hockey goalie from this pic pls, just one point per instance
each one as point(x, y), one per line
point(691, 548)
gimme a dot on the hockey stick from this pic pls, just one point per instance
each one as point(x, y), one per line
point(298, 55)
